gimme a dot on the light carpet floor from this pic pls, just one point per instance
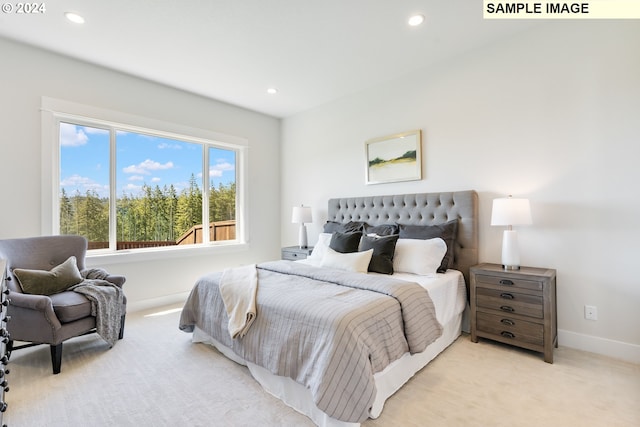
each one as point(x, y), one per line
point(157, 377)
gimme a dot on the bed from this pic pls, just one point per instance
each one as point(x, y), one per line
point(344, 374)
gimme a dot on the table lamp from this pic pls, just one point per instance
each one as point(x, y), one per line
point(301, 215)
point(509, 211)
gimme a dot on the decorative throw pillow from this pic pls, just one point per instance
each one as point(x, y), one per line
point(345, 242)
point(320, 247)
point(384, 248)
point(447, 232)
point(42, 282)
point(354, 261)
point(418, 256)
point(347, 227)
point(381, 230)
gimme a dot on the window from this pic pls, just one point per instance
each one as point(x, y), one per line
point(126, 187)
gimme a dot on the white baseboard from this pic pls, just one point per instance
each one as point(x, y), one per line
point(606, 347)
point(156, 302)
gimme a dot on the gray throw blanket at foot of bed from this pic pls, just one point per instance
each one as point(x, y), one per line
point(106, 305)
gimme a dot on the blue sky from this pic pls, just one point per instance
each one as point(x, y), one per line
point(141, 159)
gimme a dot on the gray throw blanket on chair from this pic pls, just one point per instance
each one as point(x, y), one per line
point(106, 303)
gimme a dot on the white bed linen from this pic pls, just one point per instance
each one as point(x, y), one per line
point(448, 292)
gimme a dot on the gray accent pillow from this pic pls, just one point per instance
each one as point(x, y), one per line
point(345, 242)
point(447, 232)
point(42, 282)
point(346, 227)
point(384, 248)
point(381, 230)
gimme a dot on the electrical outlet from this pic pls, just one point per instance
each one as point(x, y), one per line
point(591, 312)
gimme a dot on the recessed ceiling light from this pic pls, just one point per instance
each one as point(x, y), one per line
point(74, 17)
point(416, 20)
point(272, 91)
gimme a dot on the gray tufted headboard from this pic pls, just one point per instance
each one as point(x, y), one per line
point(419, 209)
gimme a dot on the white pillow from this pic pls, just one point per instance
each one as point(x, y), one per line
point(321, 247)
point(419, 256)
point(352, 261)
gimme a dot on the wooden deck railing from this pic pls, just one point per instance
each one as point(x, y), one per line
point(219, 230)
point(132, 245)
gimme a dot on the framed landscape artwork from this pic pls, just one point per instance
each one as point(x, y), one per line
point(394, 158)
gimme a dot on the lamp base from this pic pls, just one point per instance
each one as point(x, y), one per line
point(510, 252)
point(302, 236)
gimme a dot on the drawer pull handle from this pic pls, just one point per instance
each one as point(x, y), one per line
point(506, 282)
point(506, 296)
point(508, 322)
point(507, 308)
point(507, 334)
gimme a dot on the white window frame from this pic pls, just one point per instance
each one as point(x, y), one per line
point(54, 111)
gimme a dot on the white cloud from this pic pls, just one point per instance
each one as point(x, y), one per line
point(132, 188)
point(136, 178)
point(75, 180)
point(219, 168)
point(146, 167)
point(72, 135)
point(179, 186)
point(156, 179)
point(83, 184)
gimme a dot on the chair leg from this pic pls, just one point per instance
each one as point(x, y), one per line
point(56, 357)
point(121, 335)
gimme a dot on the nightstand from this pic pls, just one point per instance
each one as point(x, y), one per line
point(516, 307)
point(293, 253)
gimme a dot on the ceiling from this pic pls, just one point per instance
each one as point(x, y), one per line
point(313, 52)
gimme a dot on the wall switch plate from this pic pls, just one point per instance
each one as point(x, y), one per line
point(590, 312)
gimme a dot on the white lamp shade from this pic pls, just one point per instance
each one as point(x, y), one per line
point(510, 211)
point(301, 215)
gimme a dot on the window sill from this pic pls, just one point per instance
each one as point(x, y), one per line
point(98, 257)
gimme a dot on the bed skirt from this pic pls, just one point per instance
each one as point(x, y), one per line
point(388, 381)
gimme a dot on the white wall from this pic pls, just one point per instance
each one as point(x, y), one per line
point(27, 74)
point(552, 115)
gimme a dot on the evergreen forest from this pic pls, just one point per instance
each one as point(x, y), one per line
point(154, 214)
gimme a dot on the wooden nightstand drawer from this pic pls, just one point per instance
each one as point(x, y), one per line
point(511, 328)
point(292, 256)
point(510, 302)
point(516, 307)
point(294, 253)
point(509, 282)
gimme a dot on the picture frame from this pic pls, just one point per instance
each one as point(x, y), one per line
point(394, 158)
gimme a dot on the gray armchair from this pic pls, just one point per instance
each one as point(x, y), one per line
point(53, 319)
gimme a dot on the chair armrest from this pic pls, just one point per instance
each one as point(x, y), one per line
point(116, 280)
point(32, 302)
point(100, 273)
point(37, 303)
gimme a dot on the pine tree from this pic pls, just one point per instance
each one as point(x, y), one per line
point(171, 201)
point(189, 207)
point(66, 214)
